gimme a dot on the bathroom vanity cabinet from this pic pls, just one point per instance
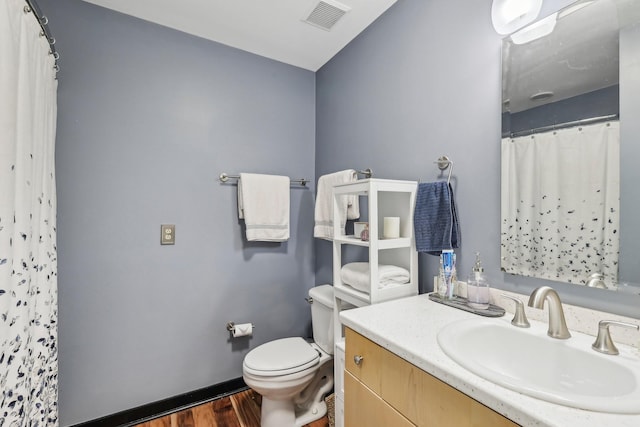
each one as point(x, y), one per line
point(382, 389)
point(404, 367)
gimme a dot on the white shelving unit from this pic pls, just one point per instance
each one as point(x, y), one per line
point(384, 198)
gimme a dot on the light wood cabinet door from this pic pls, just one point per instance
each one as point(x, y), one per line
point(363, 408)
point(420, 397)
point(363, 359)
point(429, 402)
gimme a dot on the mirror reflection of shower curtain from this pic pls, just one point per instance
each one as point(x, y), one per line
point(560, 203)
point(28, 259)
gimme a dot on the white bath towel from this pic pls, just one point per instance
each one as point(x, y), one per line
point(349, 206)
point(263, 203)
point(356, 275)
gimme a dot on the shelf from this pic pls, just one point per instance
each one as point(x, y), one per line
point(384, 198)
point(351, 240)
point(351, 295)
point(362, 186)
point(403, 242)
point(359, 298)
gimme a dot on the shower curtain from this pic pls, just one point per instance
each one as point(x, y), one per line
point(28, 260)
point(560, 203)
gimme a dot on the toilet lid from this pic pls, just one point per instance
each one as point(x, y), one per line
point(281, 357)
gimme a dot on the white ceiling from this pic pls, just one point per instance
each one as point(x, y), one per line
point(271, 28)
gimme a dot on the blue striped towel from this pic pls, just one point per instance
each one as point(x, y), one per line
point(435, 219)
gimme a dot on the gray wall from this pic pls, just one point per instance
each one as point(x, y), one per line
point(598, 103)
point(148, 118)
point(423, 82)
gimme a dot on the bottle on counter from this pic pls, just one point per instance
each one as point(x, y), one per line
point(447, 274)
point(478, 287)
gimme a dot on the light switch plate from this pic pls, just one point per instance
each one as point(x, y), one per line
point(167, 234)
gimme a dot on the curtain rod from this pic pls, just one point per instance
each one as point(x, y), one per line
point(588, 121)
point(33, 7)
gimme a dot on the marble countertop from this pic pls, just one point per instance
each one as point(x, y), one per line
point(408, 327)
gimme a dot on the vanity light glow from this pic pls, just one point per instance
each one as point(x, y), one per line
point(535, 31)
point(513, 10)
point(508, 16)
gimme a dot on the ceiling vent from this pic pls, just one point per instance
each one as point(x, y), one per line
point(326, 14)
point(541, 96)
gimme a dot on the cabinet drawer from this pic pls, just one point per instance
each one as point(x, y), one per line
point(363, 359)
point(363, 408)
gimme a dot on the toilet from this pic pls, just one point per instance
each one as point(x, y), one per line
point(294, 375)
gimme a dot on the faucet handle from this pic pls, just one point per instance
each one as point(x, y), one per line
point(519, 318)
point(604, 343)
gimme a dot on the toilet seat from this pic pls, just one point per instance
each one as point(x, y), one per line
point(281, 357)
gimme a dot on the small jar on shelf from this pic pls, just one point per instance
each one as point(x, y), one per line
point(364, 235)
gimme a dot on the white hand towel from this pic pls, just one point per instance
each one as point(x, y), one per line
point(263, 203)
point(349, 207)
point(356, 275)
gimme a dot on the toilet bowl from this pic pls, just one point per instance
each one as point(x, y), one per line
point(294, 375)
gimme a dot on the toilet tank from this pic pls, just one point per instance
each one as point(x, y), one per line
point(322, 316)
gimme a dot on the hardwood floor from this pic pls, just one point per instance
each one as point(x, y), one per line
point(238, 410)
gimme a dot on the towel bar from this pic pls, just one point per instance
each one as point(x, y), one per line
point(224, 177)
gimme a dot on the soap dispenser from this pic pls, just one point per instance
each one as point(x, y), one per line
point(478, 287)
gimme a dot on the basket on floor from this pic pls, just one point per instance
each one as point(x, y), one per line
point(331, 409)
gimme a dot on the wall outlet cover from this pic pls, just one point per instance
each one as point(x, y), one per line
point(167, 234)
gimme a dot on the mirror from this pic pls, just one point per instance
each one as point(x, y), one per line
point(571, 97)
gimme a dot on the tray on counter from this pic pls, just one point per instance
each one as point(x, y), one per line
point(461, 304)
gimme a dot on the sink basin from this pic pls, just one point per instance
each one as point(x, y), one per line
point(566, 372)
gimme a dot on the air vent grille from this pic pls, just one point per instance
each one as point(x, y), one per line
point(541, 96)
point(326, 14)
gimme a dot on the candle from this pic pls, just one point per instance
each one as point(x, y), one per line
point(391, 229)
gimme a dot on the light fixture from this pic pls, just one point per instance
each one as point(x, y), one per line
point(511, 15)
point(536, 30)
point(576, 7)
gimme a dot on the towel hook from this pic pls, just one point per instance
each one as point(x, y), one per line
point(443, 163)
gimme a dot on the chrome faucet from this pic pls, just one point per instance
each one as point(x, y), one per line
point(519, 317)
point(557, 324)
point(604, 343)
point(596, 280)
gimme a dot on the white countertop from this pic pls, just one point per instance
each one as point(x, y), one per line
point(409, 327)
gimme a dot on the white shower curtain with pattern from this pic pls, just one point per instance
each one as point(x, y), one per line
point(28, 260)
point(560, 203)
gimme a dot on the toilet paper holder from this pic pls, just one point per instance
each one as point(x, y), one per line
point(231, 326)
